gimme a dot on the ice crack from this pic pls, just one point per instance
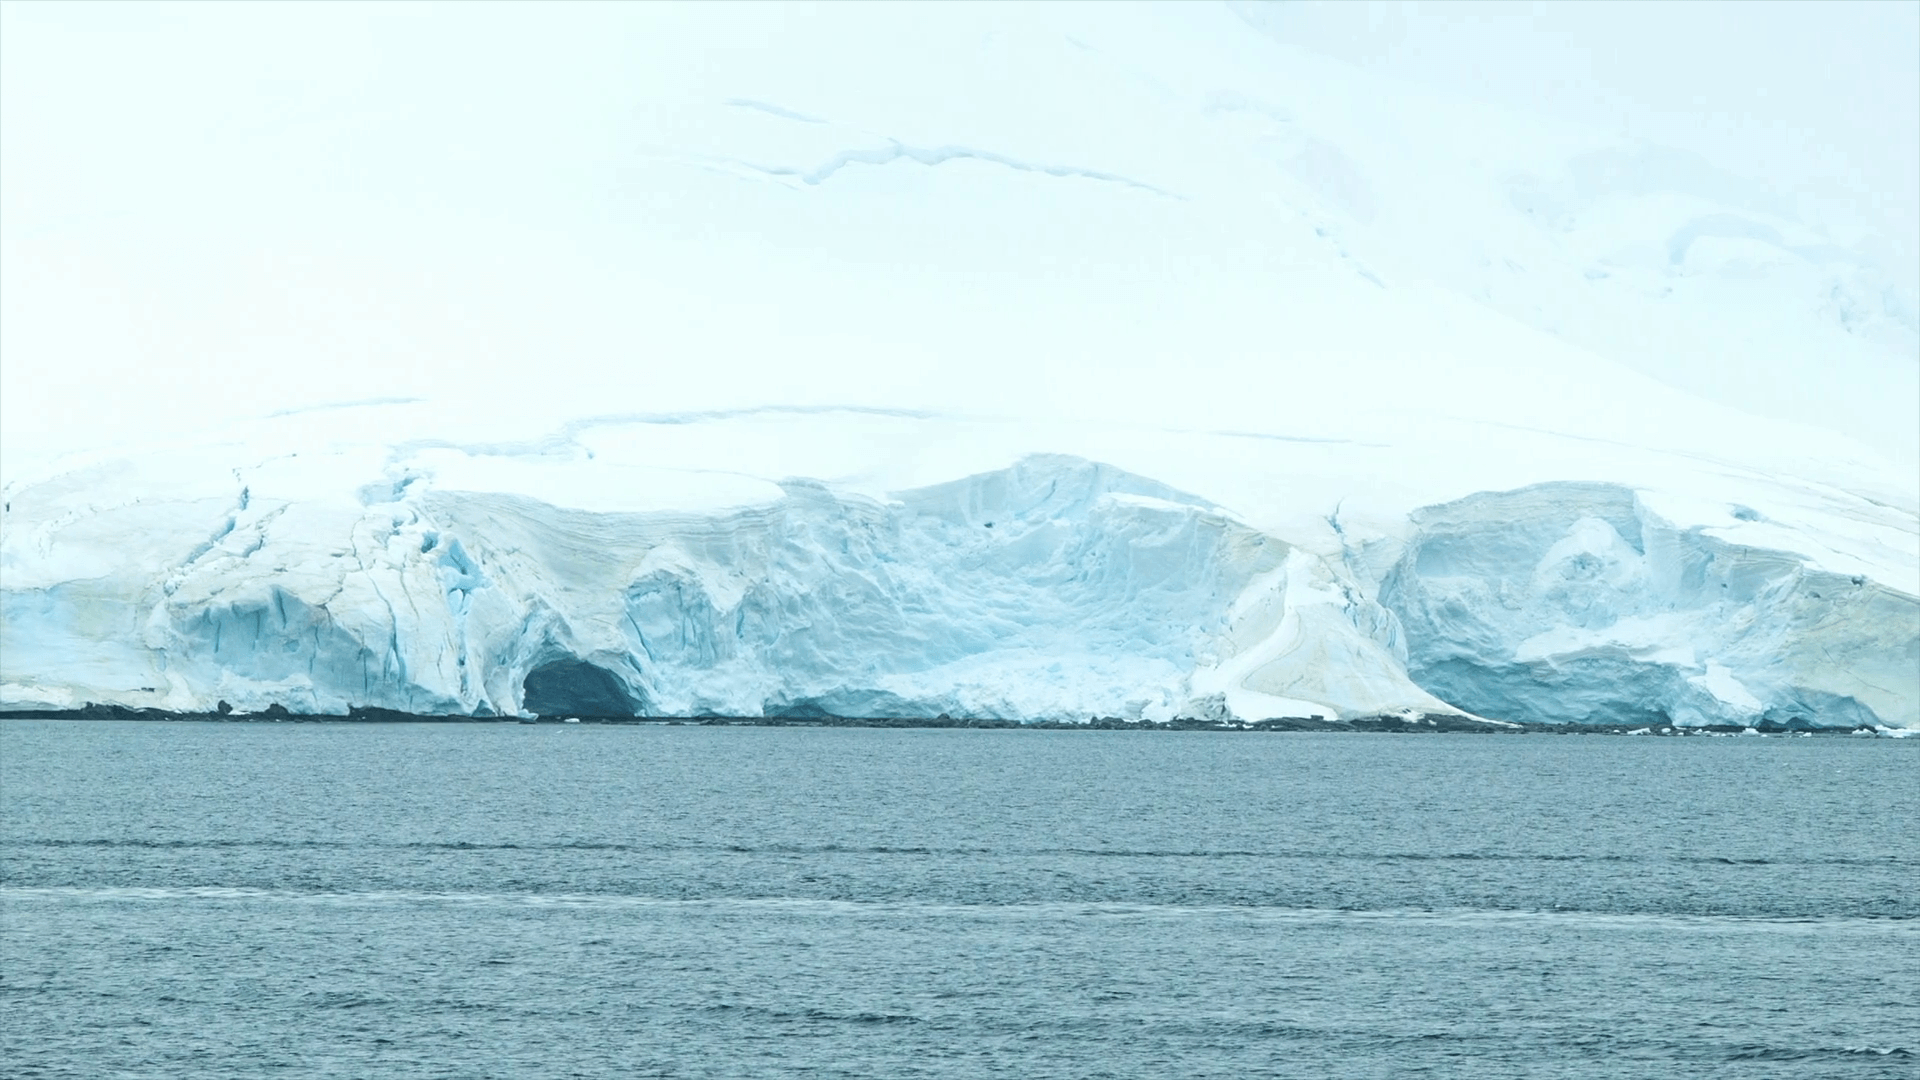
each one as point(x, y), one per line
point(896, 150)
point(773, 110)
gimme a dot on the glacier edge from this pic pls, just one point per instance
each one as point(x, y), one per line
point(1055, 589)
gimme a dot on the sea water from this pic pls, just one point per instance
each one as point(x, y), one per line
point(342, 900)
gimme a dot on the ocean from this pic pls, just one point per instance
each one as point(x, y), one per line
point(502, 900)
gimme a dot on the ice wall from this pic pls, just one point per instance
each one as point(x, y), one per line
point(1055, 589)
point(1575, 602)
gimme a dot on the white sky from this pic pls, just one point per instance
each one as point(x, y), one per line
point(227, 209)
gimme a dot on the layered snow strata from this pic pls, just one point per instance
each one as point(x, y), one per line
point(1577, 602)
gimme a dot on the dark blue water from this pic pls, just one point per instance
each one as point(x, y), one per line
point(462, 901)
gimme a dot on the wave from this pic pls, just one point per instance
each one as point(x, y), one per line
point(965, 852)
point(1900, 925)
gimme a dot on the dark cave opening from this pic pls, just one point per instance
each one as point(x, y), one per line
point(576, 688)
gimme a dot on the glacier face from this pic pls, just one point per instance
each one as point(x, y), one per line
point(1057, 588)
point(1576, 602)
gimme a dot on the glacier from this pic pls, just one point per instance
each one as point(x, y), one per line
point(1056, 588)
point(1112, 362)
point(1576, 602)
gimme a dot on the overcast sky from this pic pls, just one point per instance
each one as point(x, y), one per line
point(158, 161)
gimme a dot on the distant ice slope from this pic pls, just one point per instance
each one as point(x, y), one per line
point(1044, 362)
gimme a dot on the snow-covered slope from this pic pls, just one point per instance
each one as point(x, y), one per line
point(1031, 363)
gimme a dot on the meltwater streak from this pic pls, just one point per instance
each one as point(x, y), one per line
point(232, 900)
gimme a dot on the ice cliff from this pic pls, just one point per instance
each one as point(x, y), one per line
point(1057, 588)
point(1054, 589)
point(1576, 602)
